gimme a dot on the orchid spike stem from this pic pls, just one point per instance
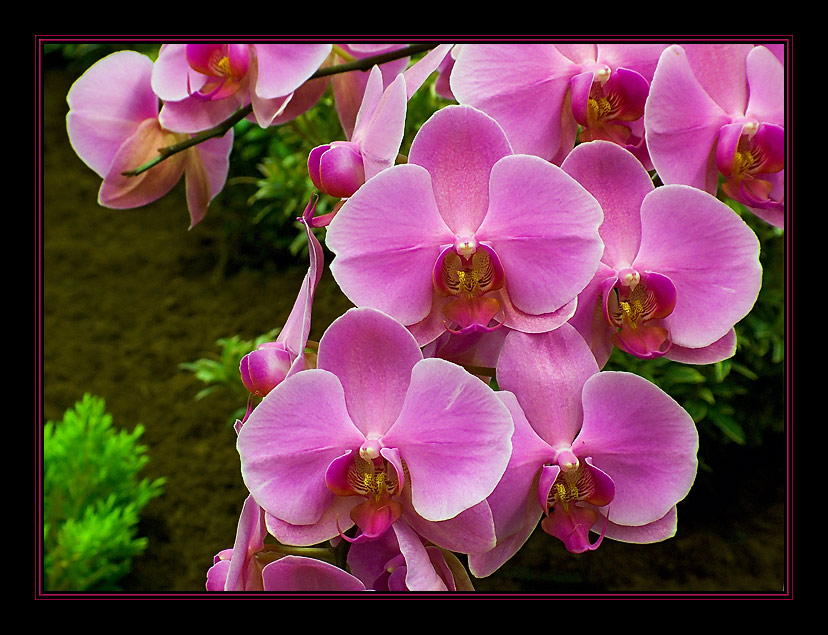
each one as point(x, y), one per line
point(221, 129)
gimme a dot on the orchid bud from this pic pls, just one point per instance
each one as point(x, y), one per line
point(265, 368)
point(336, 169)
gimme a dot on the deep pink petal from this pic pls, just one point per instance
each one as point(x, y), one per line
point(619, 183)
point(372, 355)
point(290, 439)
point(589, 319)
point(682, 123)
point(386, 239)
point(641, 438)
point(454, 435)
point(546, 372)
point(299, 573)
point(544, 227)
point(471, 531)
point(641, 58)
point(458, 146)
point(715, 267)
point(106, 105)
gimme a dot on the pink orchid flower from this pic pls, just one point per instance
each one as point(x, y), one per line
point(602, 452)
point(541, 93)
point(113, 126)
point(375, 433)
point(467, 235)
point(401, 560)
point(272, 362)
point(308, 575)
point(201, 85)
point(719, 109)
point(679, 269)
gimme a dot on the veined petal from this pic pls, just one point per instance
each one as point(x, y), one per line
point(372, 355)
point(548, 242)
point(458, 146)
point(720, 69)
point(386, 238)
point(715, 267)
point(454, 435)
point(619, 183)
point(546, 373)
point(290, 439)
point(766, 79)
point(641, 438)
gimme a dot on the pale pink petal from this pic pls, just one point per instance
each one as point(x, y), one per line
point(290, 439)
point(372, 355)
point(516, 319)
point(458, 146)
point(641, 58)
point(299, 573)
point(544, 227)
point(619, 183)
point(420, 574)
point(714, 266)
point(282, 68)
point(682, 123)
point(386, 239)
point(250, 536)
point(418, 72)
point(452, 426)
point(589, 319)
point(194, 115)
point(206, 171)
point(106, 105)
point(643, 439)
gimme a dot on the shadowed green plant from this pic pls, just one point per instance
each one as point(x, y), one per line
point(92, 499)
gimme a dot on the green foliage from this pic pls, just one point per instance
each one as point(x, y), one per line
point(92, 499)
point(221, 372)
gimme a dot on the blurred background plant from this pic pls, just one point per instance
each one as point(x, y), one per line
point(92, 499)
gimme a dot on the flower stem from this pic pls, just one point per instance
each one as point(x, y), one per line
point(221, 129)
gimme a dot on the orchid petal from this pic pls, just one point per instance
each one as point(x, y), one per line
point(458, 146)
point(715, 268)
point(173, 79)
point(640, 436)
point(372, 355)
point(471, 531)
point(250, 536)
point(448, 418)
point(656, 531)
point(548, 242)
point(106, 105)
point(720, 70)
point(282, 68)
point(718, 351)
point(335, 520)
point(546, 372)
point(682, 123)
point(600, 166)
point(298, 573)
point(766, 80)
point(420, 573)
